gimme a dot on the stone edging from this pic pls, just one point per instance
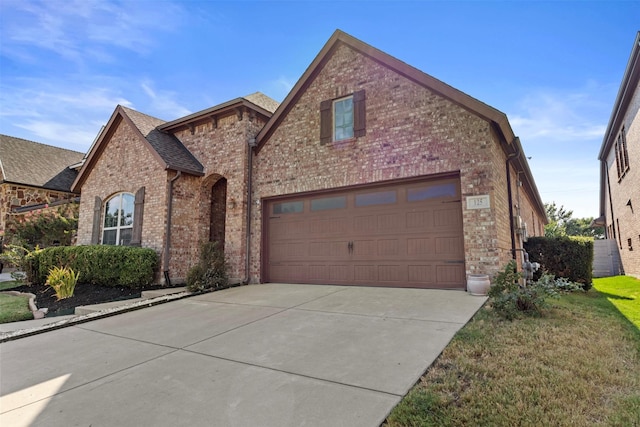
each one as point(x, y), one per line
point(37, 313)
point(10, 336)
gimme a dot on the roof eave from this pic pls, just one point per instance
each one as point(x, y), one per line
point(226, 108)
point(629, 84)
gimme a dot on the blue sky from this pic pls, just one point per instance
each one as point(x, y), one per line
point(553, 67)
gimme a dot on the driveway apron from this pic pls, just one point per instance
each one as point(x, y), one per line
point(258, 355)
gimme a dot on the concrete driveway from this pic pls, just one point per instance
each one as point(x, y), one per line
point(259, 355)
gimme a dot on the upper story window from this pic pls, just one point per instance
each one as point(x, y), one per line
point(622, 156)
point(118, 220)
point(343, 118)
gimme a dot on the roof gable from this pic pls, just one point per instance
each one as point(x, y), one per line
point(165, 148)
point(256, 103)
point(339, 37)
point(509, 142)
point(37, 165)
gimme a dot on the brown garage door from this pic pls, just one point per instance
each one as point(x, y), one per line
point(404, 235)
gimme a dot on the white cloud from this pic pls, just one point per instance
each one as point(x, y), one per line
point(163, 103)
point(78, 29)
point(56, 111)
point(557, 117)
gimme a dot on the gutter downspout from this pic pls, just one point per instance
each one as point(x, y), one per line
point(511, 157)
point(251, 146)
point(167, 246)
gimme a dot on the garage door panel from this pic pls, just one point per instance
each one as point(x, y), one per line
point(329, 250)
point(421, 274)
point(448, 246)
point(449, 274)
point(395, 235)
point(288, 251)
point(422, 220)
point(329, 226)
point(289, 273)
point(365, 224)
point(365, 273)
point(422, 246)
point(447, 218)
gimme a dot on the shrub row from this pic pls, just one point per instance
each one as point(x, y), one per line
point(97, 264)
point(568, 257)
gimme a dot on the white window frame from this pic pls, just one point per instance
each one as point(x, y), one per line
point(119, 225)
point(335, 115)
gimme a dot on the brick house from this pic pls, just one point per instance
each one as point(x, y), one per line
point(33, 175)
point(619, 169)
point(369, 172)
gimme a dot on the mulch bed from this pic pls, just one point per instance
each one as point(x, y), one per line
point(84, 294)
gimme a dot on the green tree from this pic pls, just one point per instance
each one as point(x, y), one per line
point(562, 223)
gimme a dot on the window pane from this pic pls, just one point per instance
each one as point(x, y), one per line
point(109, 237)
point(111, 212)
point(343, 119)
point(125, 236)
point(288, 207)
point(329, 203)
point(377, 198)
point(126, 213)
point(431, 192)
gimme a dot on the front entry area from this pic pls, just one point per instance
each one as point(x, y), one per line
point(404, 234)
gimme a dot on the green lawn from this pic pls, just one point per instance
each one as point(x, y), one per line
point(14, 308)
point(579, 364)
point(624, 293)
point(8, 285)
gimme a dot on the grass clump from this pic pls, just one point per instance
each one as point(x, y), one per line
point(63, 281)
point(577, 365)
point(14, 308)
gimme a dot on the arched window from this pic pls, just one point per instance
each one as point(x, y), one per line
point(118, 220)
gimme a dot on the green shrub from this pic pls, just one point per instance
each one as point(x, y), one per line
point(103, 265)
point(63, 281)
point(509, 298)
point(211, 270)
point(44, 228)
point(568, 257)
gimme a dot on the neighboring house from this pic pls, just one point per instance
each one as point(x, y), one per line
point(620, 168)
point(370, 172)
point(34, 175)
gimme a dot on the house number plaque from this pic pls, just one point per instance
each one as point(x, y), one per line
point(478, 202)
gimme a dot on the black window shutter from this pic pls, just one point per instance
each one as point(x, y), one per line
point(138, 211)
point(97, 225)
point(326, 122)
point(359, 114)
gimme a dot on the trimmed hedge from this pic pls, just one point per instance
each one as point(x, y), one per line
point(103, 265)
point(568, 257)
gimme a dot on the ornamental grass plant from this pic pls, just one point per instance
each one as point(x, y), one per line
point(63, 280)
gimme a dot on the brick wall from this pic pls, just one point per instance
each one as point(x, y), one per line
point(222, 150)
point(126, 165)
point(410, 132)
point(625, 220)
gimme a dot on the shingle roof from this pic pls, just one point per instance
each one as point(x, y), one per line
point(38, 165)
point(169, 148)
point(262, 100)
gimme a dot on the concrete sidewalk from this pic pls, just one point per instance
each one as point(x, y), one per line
point(259, 355)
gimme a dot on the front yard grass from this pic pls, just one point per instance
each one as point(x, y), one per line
point(14, 308)
point(624, 293)
point(9, 285)
point(577, 365)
